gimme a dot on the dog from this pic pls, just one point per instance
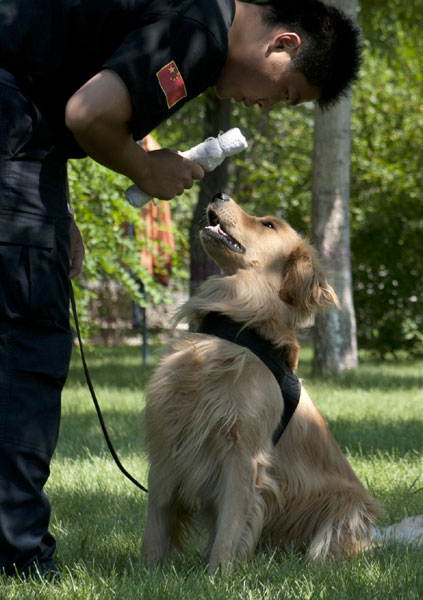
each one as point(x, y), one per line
point(213, 407)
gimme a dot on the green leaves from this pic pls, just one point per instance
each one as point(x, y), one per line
point(101, 212)
point(386, 205)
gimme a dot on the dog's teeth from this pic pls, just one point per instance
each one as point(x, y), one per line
point(230, 241)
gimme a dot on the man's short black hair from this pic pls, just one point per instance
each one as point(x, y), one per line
point(330, 52)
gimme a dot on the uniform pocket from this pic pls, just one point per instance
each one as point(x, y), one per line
point(19, 121)
point(28, 267)
point(26, 230)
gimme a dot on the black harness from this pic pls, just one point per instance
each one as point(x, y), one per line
point(274, 358)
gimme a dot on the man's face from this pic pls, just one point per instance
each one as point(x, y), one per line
point(264, 78)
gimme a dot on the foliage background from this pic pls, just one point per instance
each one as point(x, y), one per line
point(274, 176)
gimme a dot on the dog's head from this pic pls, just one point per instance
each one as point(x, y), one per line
point(272, 249)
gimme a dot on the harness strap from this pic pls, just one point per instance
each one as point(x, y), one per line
point(223, 327)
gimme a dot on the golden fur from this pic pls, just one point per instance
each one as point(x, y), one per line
point(213, 406)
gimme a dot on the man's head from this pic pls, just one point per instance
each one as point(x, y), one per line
point(330, 49)
point(292, 51)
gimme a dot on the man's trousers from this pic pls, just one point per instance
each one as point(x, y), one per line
point(35, 337)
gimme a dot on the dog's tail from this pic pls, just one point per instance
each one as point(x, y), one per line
point(408, 531)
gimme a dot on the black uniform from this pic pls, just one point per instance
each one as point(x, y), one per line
point(166, 52)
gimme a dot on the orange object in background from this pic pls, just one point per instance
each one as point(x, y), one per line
point(157, 227)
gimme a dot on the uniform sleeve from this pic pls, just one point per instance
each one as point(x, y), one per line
point(164, 64)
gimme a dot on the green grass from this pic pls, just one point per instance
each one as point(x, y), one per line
point(376, 415)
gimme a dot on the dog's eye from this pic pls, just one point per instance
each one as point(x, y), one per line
point(268, 224)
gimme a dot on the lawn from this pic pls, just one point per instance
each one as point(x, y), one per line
point(375, 414)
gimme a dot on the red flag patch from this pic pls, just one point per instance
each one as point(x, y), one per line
point(171, 83)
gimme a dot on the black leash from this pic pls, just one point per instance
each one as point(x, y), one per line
point(93, 396)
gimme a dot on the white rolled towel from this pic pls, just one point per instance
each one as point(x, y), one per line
point(209, 155)
point(408, 531)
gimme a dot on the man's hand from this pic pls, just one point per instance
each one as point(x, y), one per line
point(77, 250)
point(167, 174)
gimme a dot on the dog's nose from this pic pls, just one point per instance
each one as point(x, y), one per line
point(222, 196)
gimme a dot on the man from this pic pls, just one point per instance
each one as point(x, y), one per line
point(92, 77)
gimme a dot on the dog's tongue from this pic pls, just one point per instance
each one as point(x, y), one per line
point(217, 228)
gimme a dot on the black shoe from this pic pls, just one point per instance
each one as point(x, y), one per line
point(44, 570)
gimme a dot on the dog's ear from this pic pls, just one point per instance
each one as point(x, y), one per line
point(305, 285)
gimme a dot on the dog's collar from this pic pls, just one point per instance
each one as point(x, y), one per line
point(274, 358)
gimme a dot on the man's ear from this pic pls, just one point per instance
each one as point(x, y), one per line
point(287, 41)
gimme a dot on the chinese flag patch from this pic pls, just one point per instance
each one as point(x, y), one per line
point(171, 83)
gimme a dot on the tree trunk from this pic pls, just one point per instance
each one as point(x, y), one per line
point(216, 119)
point(335, 339)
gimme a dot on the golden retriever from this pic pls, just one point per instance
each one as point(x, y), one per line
point(213, 407)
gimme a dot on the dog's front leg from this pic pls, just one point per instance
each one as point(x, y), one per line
point(156, 541)
point(234, 505)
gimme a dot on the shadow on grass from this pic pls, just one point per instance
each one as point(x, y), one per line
point(366, 437)
point(115, 367)
point(369, 436)
point(122, 366)
point(79, 433)
point(368, 377)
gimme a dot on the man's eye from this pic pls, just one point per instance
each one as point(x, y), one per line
point(268, 224)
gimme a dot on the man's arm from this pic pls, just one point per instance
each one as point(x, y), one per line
point(98, 115)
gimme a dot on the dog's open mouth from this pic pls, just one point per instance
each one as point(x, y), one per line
point(216, 231)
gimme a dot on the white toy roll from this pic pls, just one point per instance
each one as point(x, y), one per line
point(209, 155)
